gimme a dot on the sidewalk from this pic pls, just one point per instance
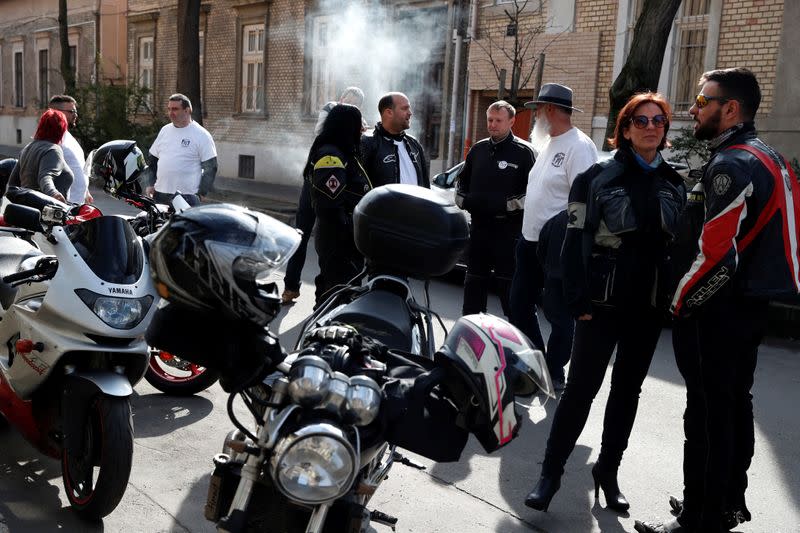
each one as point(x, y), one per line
point(279, 201)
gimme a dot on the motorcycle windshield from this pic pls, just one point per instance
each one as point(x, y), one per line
point(109, 247)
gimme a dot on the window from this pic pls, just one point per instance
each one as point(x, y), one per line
point(146, 68)
point(18, 80)
point(247, 166)
point(43, 80)
point(253, 68)
point(73, 60)
point(323, 82)
point(692, 29)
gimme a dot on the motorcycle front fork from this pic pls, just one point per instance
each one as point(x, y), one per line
point(236, 519)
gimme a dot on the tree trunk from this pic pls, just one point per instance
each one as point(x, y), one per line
point(188, 81)
point(643, 66)
point(67, 71)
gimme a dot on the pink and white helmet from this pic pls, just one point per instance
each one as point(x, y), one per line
point(488, 362)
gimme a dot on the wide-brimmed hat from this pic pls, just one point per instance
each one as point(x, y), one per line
point(554, 93)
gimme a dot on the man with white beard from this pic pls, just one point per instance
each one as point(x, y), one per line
point(563, 152)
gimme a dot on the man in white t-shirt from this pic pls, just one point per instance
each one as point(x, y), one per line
point(563, 152)
point(73, 153)
point(183, 158)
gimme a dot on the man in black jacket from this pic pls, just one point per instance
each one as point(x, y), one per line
point(390, 155)
point(491, 187)
point(748, 253)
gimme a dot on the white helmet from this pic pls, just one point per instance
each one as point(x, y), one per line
point(489, 361)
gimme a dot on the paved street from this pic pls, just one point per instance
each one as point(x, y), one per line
point(176, 438)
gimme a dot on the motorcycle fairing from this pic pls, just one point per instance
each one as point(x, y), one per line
point(109, 247)
point(13, 252)
point(61, 320)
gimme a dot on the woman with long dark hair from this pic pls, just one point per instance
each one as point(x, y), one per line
point(41, 164)
point(338, 181)
point(622, 214)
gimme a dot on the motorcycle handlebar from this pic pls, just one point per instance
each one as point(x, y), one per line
point(46, 266)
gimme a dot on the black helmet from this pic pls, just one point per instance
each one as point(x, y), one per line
point(6, 166)
point(219, 256)
point(118, 164)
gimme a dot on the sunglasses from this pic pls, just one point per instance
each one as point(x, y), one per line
point(641, 121)
point(702, 100)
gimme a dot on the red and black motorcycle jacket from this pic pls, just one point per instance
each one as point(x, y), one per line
point(494, 179)
point(750, 234)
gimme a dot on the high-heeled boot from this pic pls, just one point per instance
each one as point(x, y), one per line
point(539, 498)
point(607, 480)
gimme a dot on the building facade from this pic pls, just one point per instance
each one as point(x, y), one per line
point(267, 67)
point(586, 43)
point(30, 56)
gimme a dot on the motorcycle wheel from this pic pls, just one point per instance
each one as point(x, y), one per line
point(176, 376)
point(95, 479)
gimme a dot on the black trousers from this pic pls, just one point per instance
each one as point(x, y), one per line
point(634, 332)
point(305, 218)
point(491, 247)
point(339, 259)
point(716, 351)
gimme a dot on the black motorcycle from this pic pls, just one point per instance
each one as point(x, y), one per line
point(326, 419)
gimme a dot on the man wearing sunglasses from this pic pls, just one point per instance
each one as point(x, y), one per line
point(748, 253)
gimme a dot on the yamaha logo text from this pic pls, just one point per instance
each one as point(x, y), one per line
point(120, 290)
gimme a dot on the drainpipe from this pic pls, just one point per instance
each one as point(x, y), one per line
point(471, 34)
point(459, 39)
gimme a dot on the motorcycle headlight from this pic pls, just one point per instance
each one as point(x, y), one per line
point(119, 313)
point(336, 400)
point(363, 400)
point(315, 464)
point(309, 379)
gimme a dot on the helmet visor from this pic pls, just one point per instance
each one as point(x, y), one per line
point(533, 371)
point(274, 244)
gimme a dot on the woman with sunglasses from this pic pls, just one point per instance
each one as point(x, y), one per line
point(622, 214)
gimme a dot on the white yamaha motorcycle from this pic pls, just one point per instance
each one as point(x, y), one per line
point(72, 317)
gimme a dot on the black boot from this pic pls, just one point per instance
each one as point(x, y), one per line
point(607, 479)
point(543, 492)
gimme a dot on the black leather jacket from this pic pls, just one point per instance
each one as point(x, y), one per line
point(494, 179)
point(338, 182)
point(380, 158)
point(621, 219)
point(750, 214)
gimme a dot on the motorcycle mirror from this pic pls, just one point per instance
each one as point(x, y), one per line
point(23, 217)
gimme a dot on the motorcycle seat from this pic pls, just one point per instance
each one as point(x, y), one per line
point(13, 251)
point(382, 315)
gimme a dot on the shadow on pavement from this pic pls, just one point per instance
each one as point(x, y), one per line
point(158, 414)
point(30, 484)
point(774, 391)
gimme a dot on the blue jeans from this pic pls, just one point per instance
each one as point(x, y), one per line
point(526, 292)
point(166, 198)
point(562, 327)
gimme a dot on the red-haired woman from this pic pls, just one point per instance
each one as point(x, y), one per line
point(623, 212)
point(41, 164)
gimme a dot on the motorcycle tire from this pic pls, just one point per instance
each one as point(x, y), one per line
point(164, 377)
point(96, 478)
